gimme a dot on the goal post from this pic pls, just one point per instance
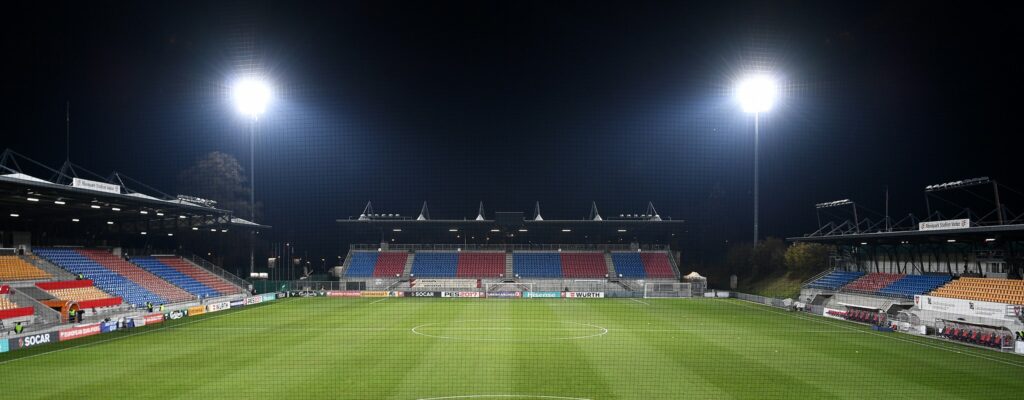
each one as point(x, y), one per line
point(667, 290)
point(507, 287)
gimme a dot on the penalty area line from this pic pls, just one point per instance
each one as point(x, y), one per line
point(641, 302)
point(378, 301)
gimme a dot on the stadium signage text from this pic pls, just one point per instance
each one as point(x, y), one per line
point(3, 346)
point(374, 293)
point(107, 327)
point(584, 295)
point(269, 297)
point(154, 319)
point(34, 340)
point(423, 294)
point(93, 185)
point(974, 308)
point(343, 293)
point(196, 310)
point(542, 294)
point(505, 295)
point(944, 224)
point(224, 305)
point(253, 300)
point(237, 303)
point(176, 314)
point(79, 332)
point(462, 294)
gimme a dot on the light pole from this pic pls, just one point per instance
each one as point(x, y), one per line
point(251, 96)
point(756, 94)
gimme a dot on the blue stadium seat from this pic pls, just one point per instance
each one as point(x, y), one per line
point(835, 280)
point(362, 264)
point(537, 265)
point(103, 278)
point(435, 264)
point(911, 285)
point(629, 265)
point(174, 276)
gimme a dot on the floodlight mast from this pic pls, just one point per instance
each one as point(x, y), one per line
point(251, 96)
point(756, 94)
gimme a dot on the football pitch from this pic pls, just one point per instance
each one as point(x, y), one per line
point(406, 348)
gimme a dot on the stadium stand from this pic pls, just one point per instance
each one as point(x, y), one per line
point(107, 280)
point(10, 309)
point(150, 282)
point(870, 283)
point(657, 265)
point(834, 280)
point(4, 303)
point(390, 263)
point(158, 268)
point(80, 291)
point(480, 265)
point(435, 264)
point(362, 264)
point(910, 285)
point(201, 275)
point(584, 265)
point(537, 265)
point(1009, 291)
point(13, 268)
point(628, 265)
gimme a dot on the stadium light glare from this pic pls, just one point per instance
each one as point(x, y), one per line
point(143, 212)
point(453, 230)
point(621, 230)
point(990, 239)
point(159, 214)
point(115, 209)
point(74, 220)
point(33, 199)
point(59, 202)
point(757, 93)
point(195, 229)
point(95, 206)
point(566, 230)
point(181, 217)
point(495, 230)
point(13, 215)
point(397, 230)
point(143, 232)
point(523, 230)
point(251, 96)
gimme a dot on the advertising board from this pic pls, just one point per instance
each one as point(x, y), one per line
point(463, 294)
point(374, 293)
point(542, 294)
point(396, 294)
point(343, 293)
point(269, 297)
point(3, 346)
point(944, 224)
point(154, 319)
point(216, 307)
point(422, 294)
point(237, 303)
point(253, 300)
point(176, 314)
point(583, 295)
point(79, 332)
point(974, 308)
point(833, 313)
point(505, 295)
point(33, 340)
point(106, 327)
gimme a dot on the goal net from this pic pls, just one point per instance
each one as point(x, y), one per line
point(668, 289)
point(507, 289)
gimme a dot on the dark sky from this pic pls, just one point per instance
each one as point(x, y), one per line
point(513, 102)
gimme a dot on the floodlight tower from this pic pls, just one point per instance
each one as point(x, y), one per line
point(251, 96)
point(756, 94)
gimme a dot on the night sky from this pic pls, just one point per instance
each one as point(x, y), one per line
point(513, 102)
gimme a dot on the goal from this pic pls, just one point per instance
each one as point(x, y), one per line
point(667, 289)
point(507, 289)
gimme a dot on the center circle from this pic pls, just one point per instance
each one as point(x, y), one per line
point(509, 330)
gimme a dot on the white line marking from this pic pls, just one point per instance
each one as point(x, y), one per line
point(378, 301)
point(641, 302)
point(838, 325)
point(602, 331)
point(132, 334)
point(521, 396)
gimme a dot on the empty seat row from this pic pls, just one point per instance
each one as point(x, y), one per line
point(872, 282)
point(365, 264)
point(640, 265)
point(834, 280)
point(910, 285)
point(13, 268)
point(103, 278)
point(174, 276)
point(78, 294)
point(147, 280)
point(200, 274)
point(1007, 291)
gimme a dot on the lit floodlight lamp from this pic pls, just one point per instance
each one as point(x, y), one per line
point(757, 93)
point(251, 96)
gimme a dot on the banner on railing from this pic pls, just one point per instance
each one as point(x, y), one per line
point(422, 294)
point(237, 303)
point(79, 332)
point(463, 294)
point(176, 314)
point(154, 319)
point(944, 224)
point(93, 185)
point(505, 295)
point(583, 295)
point(107, 327)
point(374, 293)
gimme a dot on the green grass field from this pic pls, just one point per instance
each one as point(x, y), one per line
point(500, 349)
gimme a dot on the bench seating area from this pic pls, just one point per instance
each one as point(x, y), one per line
point(910, 285)
point(1008, 291)
point(641, 265)
point(158, 268)
point(147, 280)
point(200, 274)
point(104, 279)
point(378, 264)
point(871, 282)
point(13, 268)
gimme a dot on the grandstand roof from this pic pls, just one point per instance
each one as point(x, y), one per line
point(1013, 232)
